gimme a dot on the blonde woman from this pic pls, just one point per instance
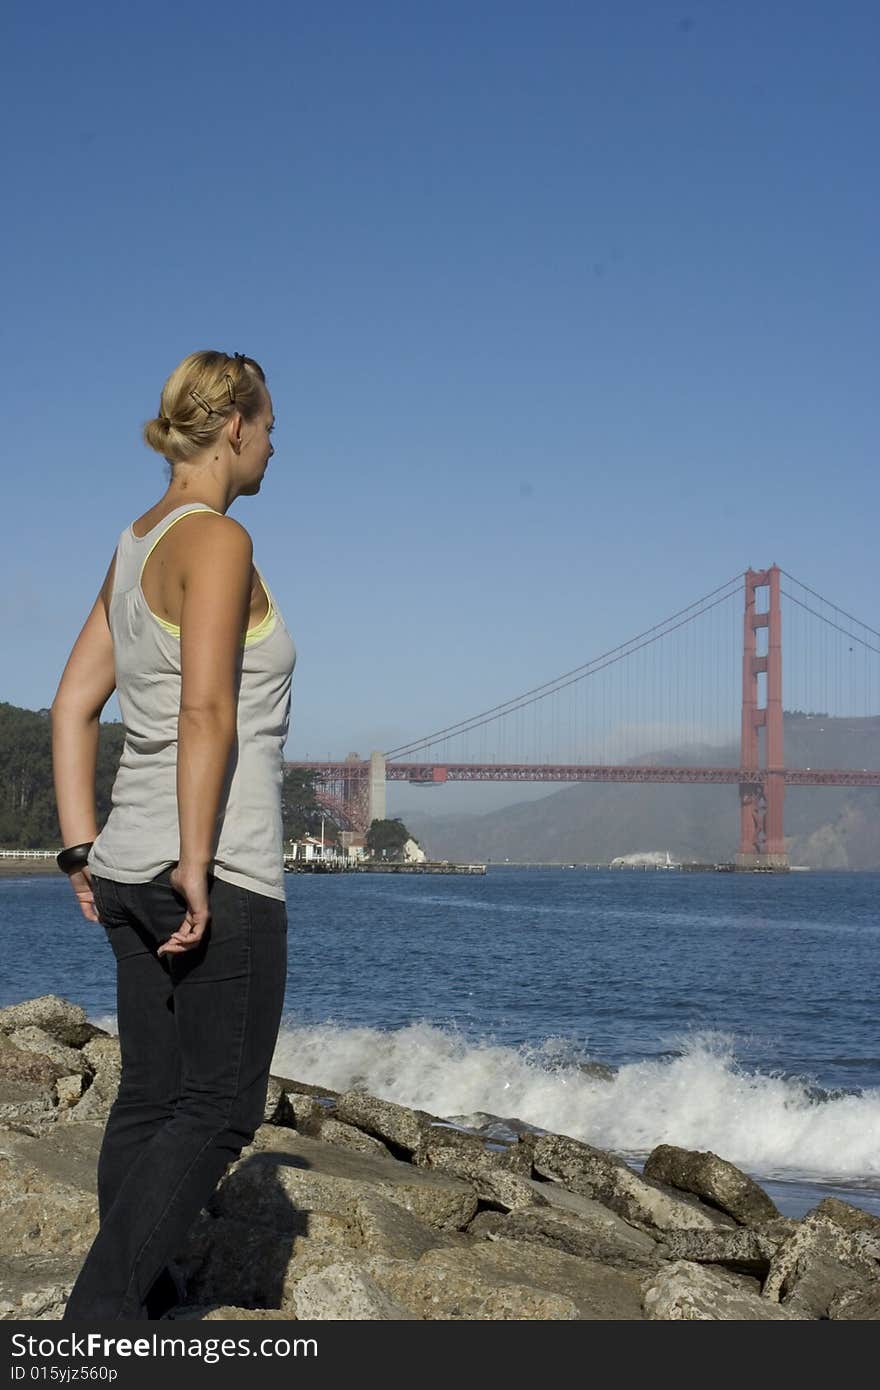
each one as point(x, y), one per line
point(187, 874)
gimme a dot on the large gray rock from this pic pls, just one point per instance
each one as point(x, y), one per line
point(741, 1250)
point(41, 1211)
point(25, 1103)
point(68, 1090)
point(501, 1280)
point(819, 1264)
point(607, 1179)
point(852, 1220)
point(306, 1113)
point(685, 1292)
point(857, 1305)
point(66, 1022)
point(345, 1292)
point(19, 1064)
point(38, 1041)
point(493, 1177)
point(274, 1111)
point(306, 1088)
point(714, 1180)
point(35, 1287)
point(347, 1137)
point(291, 1173)
point(228, 1260)
point(619, 1246)
point(103, 1056)
point(395, 1125)
point(383, 1227)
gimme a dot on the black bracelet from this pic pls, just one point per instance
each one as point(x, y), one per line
point(73, 858)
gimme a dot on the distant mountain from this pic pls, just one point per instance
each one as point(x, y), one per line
point(827, 827)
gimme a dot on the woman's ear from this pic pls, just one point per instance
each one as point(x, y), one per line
point(233, 432)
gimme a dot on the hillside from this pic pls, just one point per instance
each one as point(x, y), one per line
point(27, 798)
point(826, 827)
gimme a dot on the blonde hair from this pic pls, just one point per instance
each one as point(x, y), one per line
point(201, 394)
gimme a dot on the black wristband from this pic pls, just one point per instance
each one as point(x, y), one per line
point(73, 858)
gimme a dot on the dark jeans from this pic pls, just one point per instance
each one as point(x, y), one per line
point(197, 1033)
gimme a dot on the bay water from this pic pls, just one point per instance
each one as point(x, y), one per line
point(730, 1012)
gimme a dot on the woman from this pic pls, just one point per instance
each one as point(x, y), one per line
point(187, 875)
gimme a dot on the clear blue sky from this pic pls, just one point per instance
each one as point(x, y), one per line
point(569, 310)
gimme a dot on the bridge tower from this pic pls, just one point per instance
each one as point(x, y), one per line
point(376, 807)
point(761, 840)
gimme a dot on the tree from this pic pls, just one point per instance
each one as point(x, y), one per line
point(300, 812)
point(28, 818)
point(389, 836)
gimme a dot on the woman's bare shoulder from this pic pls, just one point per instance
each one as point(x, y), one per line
point(203, 531)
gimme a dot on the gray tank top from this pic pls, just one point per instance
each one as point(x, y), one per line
point(141, 836)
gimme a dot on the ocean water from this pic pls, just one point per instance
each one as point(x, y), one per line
point(736, 1013)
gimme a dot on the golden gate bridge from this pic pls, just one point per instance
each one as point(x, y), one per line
point(845, 674)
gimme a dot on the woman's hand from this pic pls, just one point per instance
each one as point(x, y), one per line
point(81, 883)
point(191, 884)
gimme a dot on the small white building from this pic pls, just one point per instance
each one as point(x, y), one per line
point(413, 853)
point(648, 859)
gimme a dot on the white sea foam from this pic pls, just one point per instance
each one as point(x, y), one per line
point(698, 1098)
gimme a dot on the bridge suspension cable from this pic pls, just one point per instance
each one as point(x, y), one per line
point(842, 611)
point(578, 673)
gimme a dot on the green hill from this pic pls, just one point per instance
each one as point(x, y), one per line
point(27, 798)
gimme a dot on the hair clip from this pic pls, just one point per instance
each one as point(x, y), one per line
point(230, 389)
point(200, 401)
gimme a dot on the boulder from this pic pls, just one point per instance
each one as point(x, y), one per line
point(384, 1227)
point(499, 1280)
point(396, 1125)
point(685, 1292)
point(607, 1179)
point(66, 1022)
point(741, 1250)
point(817, 1265)
point(35, 1287)
point(852, 1220)
point(306, 1088)
point(40, 1215)
point(24, 1103)
point(102, 1054)
point(857, 1305)
point(466, 1156)
point(275, 1107)
point(620, 1246)
point(40, 1042)
point(714, 1180)
point(228, 1260)
point(68, 1090)
point(23, 1065)
point(305, 1113)
point(347, 1137)
point(343, 1292)
point(292, 1173)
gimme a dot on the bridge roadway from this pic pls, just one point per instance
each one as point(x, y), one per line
point(436, 774)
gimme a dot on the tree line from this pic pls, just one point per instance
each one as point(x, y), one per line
point(28, 818)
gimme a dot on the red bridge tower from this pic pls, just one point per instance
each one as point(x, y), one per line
point(762, 790)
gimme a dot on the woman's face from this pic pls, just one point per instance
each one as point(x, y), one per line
point(256, 447)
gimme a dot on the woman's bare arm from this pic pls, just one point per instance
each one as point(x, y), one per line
point(216, 583)
point(86, 685)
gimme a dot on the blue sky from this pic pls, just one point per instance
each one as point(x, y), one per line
point(569, 311)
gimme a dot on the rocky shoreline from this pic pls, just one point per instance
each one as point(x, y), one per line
point(351, 1207)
